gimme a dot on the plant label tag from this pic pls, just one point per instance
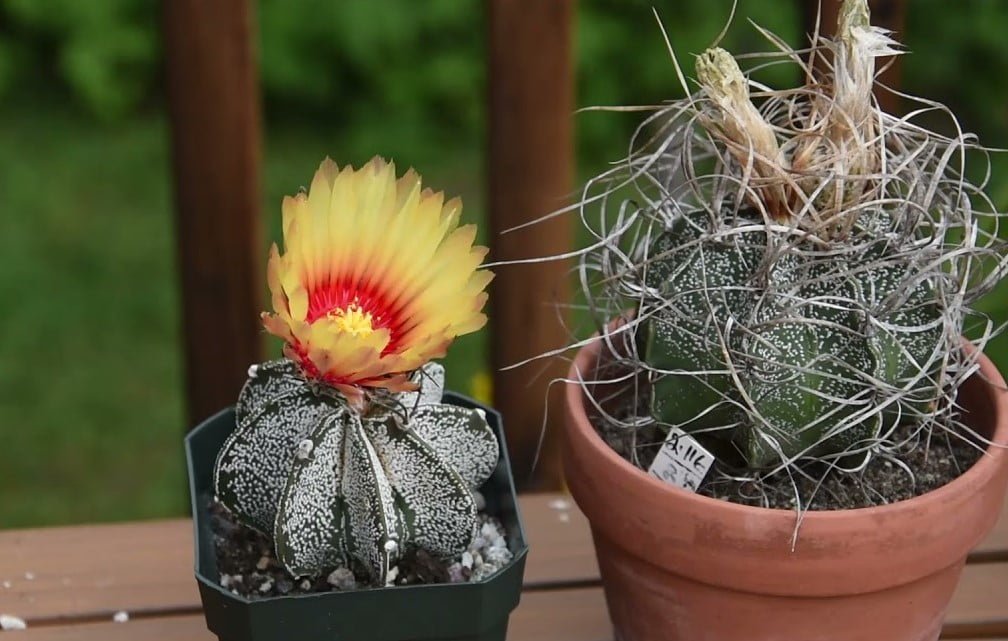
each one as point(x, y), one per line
point(681, 461)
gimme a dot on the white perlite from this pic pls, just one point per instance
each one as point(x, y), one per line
point(487, 554)
point(342, 579)
point(231, 581)
point(455, 573)
point(121, 616)
point(11, 622)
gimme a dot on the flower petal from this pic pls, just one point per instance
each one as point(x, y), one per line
point(377, 277)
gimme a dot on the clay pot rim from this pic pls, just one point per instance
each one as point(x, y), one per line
point(985, 468)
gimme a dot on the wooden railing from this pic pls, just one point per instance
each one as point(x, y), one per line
point(69, 583)
point(213, 95)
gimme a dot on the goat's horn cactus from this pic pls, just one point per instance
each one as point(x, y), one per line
point(796, 365)
point(344, 453)
point(798, 302)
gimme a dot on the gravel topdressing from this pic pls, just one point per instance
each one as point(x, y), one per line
point(248, 566)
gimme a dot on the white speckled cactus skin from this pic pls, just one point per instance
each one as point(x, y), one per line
point(338, 488)
point(790, 355)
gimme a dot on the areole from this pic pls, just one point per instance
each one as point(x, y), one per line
point(677, 565)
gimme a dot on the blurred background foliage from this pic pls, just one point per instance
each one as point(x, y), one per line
point(91, 411)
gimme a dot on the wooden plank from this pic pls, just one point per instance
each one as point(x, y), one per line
point(554, 615)
point(531, 168)
point(890, 14)
point(97, 570)
point(213, 99)
point(186, 628)
point(995, 546)
point(560, 544)
point(562, 615)
point(181, 628)
point(93, 571)
point(980, 604)
point(149, 569)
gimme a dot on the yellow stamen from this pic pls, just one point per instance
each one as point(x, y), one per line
point(353, 320)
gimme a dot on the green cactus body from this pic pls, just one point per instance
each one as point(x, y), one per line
point(337, 488)
point(780, 351)
point(705, 281)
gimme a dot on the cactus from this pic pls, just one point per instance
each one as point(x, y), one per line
point(343, 452)
point(800, 264)
point(338, 487)
point(795, 361)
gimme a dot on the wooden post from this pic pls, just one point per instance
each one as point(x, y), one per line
point(530, 174)
point(213, 101)
point(890, 14)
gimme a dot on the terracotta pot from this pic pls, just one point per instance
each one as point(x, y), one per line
point(677, 566)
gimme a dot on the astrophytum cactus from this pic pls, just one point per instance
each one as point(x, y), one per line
point(343, 453)
point(800, 263)
point(812, 354)
point(333, 486)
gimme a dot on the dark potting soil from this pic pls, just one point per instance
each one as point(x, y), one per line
point(920, 470)
point(248, 566)
point(881, 482)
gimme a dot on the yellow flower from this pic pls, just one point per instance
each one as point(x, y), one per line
point(377, 277)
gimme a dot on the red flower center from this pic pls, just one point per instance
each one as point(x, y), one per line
point(340, 297)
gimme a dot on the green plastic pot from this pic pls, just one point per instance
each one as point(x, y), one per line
point(451, 612)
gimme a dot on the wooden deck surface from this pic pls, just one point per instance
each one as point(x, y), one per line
point(67, 583)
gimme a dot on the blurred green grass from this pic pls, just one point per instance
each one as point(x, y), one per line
point(90, 395)
point(91, 406)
